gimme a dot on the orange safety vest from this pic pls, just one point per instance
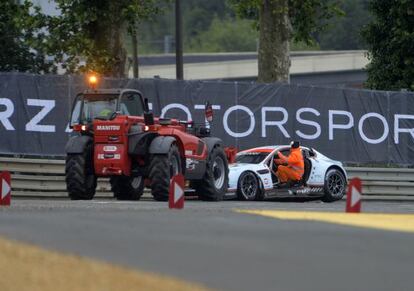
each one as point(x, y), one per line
point(294, 161)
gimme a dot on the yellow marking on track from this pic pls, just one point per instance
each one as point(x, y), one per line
point(385, 221)
point(25, 267)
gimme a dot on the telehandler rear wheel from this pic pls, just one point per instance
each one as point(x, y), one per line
point(127, 188)
point(162, 168)
point(80, 177)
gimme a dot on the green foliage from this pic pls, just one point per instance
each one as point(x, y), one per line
point(197, 17)
point(390, 38)
point(344, 33)
point(21, 38)
point(208, 26)
point(227, 35)
point(304, 15)
point(247, 8)
point(87, 35)
point(280, 22)
point(303, 46)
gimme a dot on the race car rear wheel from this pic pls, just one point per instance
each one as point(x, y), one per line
point(335, 185)
point(127, 188)
point(248, 187)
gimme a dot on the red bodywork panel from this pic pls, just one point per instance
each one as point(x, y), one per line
point(231, 153)
point(111, 147)
point(111, 143)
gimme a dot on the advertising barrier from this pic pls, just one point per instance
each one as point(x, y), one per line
point(357, 126)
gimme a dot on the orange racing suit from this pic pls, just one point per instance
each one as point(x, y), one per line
point(290, 168)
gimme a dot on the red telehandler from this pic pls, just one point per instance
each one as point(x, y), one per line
point(116, 136)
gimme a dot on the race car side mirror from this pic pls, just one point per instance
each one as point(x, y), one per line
point(312, 152)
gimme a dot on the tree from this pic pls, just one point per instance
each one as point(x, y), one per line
point(88, 34)
point(344, 33)
point(208, 26)
point(280, 21)
point(390, 38)
point(21, 38)
point(227, 35)
point(197, 17)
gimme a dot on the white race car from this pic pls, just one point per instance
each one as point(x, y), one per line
point(253, 177)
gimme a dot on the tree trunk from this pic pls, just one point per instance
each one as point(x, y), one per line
point(107, 34)
point(118, 51)
point(275, 33)
point(135, 54)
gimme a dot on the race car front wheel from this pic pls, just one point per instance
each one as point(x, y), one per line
point(335, 185)
point(248, 187)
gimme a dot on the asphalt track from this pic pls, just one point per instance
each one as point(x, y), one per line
point(216, 245)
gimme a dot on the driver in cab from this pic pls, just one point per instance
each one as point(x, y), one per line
point(291, 168)
point(102, 109)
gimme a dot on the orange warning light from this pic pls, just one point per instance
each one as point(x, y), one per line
point(93, 80)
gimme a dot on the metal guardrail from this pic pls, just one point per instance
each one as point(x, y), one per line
point(45, 177)
point(42, 177)
point(385, 181)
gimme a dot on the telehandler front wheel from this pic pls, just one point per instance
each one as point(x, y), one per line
point(162, 168)
point(80, 177)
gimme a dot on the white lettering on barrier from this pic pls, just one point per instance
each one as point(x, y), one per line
point(202, 106)
point(333, 126)
point(5, 115)
point(7, 109)
point(33, 124)
point(226, 122)
point(361, 128)
point(278, 123)
point(179, 106)
point(308, 122)
point(397, 129)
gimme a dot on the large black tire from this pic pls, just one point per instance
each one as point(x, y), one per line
point(80, 177)
point(162, 168)
point(248, 187)
point(215, 182)
point(335, 186)
point(127, 188)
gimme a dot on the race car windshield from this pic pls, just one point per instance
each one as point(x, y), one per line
point(250, 158)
